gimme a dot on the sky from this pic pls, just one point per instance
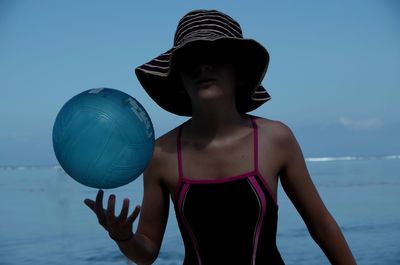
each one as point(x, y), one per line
point(333, 75)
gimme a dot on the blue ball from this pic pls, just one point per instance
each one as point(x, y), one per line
point(103, 138)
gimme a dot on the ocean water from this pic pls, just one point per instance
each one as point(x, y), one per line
point(43, 218)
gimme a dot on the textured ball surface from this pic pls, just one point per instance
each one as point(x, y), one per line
point(103, 138)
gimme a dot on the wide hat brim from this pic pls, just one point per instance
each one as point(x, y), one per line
point(161, 81)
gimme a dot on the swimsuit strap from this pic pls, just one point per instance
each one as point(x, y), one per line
point(179, 151)
point(255, 142)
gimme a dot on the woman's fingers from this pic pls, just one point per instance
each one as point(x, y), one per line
point(124, 211)
point(134, 215)
point(91, 204)
point(99, 207)
point(99, 200)
point(111, 206)
point(107, 216)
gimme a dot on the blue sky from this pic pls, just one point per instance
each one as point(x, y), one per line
point(333, 75)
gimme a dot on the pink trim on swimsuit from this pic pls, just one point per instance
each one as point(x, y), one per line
point(261, 196)
point(256, 161)
point(182, 199)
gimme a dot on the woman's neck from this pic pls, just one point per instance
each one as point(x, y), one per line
point(218, 122)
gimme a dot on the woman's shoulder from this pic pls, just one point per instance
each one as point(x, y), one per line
point(167, 141)
point(164, 153)
point(276, 127)
point(276, 130)
point(165, 146)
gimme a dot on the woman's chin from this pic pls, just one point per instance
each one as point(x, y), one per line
point(210, 93)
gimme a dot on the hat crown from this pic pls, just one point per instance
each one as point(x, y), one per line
point(206, 25)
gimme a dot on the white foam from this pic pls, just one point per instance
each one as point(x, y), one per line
point(392, 157)
point(349, 158)
point(331, 158)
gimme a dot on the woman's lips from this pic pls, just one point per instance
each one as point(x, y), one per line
point(205, 80)
point(204, 83)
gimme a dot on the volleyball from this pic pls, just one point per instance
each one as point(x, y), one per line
point(103, 138)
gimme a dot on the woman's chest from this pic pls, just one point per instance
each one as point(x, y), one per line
point(222, 164)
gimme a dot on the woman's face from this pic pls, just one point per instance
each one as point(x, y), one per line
point(207, 72)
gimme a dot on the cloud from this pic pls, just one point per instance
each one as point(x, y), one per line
point(366, 124)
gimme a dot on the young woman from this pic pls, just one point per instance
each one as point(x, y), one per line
point(220, 167)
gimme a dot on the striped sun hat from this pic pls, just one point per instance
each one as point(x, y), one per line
point(161, 81)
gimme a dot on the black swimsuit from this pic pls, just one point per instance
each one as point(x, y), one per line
point(230, 220)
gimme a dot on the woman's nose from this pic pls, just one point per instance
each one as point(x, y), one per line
point(203, 67)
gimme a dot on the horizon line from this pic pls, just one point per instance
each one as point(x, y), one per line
point(307, 159)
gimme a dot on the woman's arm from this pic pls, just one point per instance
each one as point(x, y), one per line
point(297, 183)
point(154, 212)
point(143, 246)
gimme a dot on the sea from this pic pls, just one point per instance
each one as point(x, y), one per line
point(43, 219)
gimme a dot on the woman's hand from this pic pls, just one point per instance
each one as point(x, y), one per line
point(118, 227)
